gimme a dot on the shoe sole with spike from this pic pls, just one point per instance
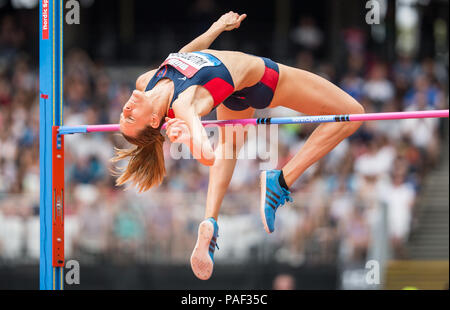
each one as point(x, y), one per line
point(201, 263)
point(263, 201)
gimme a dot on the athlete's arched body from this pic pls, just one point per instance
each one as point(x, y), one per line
point(196, 80)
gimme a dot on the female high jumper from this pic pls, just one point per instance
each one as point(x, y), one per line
point(196, 80)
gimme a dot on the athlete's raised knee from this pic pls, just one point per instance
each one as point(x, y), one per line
point(356, 108)
point(359, 109)
point(352, 106)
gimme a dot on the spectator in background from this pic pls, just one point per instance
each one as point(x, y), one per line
point(436, 72)
point(403, 74)
point(284, 282)
point(307, 35)
point(404, 68)
point(201, 14)
point(399, 197)
point(12, 39)
point(128, 231)
point(357, 235)
point(423, 133)
point(95, 222)
point(5, 92)
point(342, 203)
point(86, 170)
point(355, 40)
point(305, 61)
point(353, 85)
point(378, 88)
point(423, 90)
point(376, 161)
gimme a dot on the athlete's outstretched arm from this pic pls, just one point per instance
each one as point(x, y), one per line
point(226, 22)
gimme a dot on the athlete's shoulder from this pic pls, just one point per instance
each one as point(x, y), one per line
point(143, 79)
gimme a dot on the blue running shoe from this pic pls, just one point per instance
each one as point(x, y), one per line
point(273, 195)
point(202, 258)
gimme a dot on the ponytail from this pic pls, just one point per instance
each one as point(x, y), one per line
point(146, 167)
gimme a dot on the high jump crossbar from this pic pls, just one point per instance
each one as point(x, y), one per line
point(64, 130)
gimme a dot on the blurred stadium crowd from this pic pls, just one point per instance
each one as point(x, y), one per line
point(336, 202)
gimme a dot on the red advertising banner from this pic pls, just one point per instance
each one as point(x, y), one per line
point(45, 18)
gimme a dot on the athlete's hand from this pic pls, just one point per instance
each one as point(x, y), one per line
point(177, 131)
point(230, 20)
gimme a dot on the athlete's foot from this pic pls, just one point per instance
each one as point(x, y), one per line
point(273, 195)
point(202, 258)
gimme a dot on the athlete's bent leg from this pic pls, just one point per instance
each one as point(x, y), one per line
point(202, 258)
point(310, 94)
point(221, 172)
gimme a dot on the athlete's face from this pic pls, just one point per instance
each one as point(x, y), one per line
point(136, 114)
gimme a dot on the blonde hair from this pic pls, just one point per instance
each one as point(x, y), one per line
point(146, 167)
